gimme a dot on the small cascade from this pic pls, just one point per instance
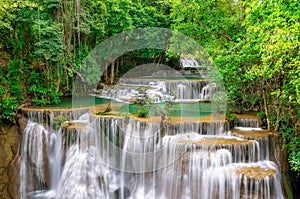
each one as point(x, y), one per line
point(202, 128)
point(239, 180)
point(258, 134)
point(186, 89)
point(182, 90)
point(242, 150)
point(191, 66)
point(248, 122)
point(248, 127)
point(89, 156)
point(189, 63)
point(207, 92)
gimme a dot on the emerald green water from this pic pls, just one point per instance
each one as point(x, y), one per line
point(183, 109)
point(178, 109)
point(80, 102)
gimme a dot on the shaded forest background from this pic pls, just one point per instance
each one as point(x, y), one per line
point(255, 45)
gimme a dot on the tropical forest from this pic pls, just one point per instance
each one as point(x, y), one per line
point(149, 99)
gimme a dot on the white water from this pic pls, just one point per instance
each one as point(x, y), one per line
point(159, 90)
point(189, 62)
point(34, 137)
point(248, 122)
point(146, 160)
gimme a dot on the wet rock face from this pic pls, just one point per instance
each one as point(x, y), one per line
point(9, 162)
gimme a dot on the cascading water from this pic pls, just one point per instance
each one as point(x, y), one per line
point(248, 122)
point(189, 62)
point(115, 157)
point(77, 154)
point(183, 90)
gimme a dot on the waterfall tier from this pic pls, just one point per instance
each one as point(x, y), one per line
point(89, 156)
point(157, 89)
point(250, 121)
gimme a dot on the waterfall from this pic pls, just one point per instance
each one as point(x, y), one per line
point(248, 122)
point(189, 62)
point(252, 180)
point(35, 141)
point(207, 92)
point(183, 90)
point(91, 156)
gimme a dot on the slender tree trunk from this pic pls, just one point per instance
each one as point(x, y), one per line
point(278, 118)
point(266, 109)
point(112, 72)
point(117, 66)
point(58, 84)
point(106, 73)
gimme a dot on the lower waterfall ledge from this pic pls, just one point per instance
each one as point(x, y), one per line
point(256, 172)
point(217, 141)
point(251, 134)
point(171, 120)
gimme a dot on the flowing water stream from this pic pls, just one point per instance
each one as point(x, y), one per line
point(91, 156)
point(107, 157)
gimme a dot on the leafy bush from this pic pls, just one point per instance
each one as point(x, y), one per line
point(294, 160)
point(291, 138)
point(142, 112)
point(8, 107)
point(11, 91)
point(44, 94)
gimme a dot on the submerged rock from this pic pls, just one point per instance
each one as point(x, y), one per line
point(118, 193)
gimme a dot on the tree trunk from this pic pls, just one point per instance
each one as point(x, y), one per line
point(112, 72)
point(117, 67)
point(278, 112)
point(58, 84)
point(266, 109)
point(106, 73)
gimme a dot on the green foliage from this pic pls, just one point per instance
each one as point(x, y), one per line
point(58, 120)
point(44, 92)
point(292, 144)
point(150, 13)
point(49, 40)
point(231, 117)
point(294, 158)
point(8, 106)
point(124, 69)
point(212, 23)
point(142, 112)
point(272, 38)
point(9, 7)
point(11, 91)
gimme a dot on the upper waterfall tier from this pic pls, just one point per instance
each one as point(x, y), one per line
point(189, 62)
point(158, 88)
